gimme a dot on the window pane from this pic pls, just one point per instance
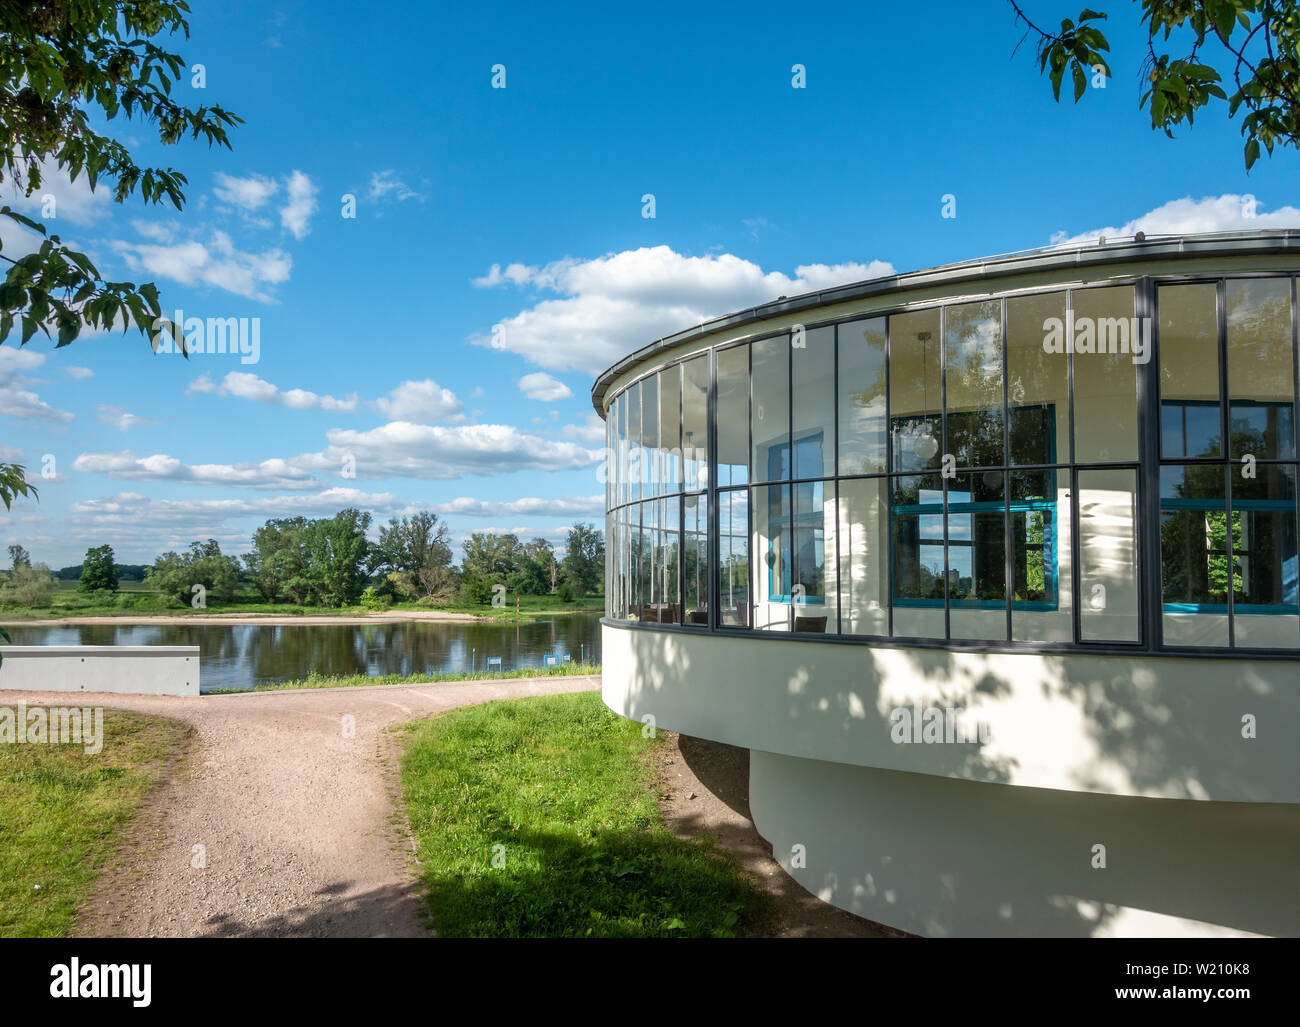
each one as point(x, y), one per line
point(974, 362)
point(695, 560)
point(609, 462)
point(650, 451)
point(1261, 378)
point(862, 396)
point(915, 390)
point(635, 458)
point(634, 575)
point(1189, 372)
point(1107, 341)
point(917, 540)
point(771, 410)
point(812, 370)
point(620, 450)
point(1264, 606)
point(773, 562)
point(733, 416)
point(670, 430)
point(813, 549)
point(733, 558)
point(695, 422)
point(669, 597)
point(1040, 556)
point(1108, 556)
point(977, 555)
point(1037, 381)
point(613, 549)
point(1194, 554)
point(650, 581)
point(863, 557)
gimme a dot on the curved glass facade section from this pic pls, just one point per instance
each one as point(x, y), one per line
point(1089, 465)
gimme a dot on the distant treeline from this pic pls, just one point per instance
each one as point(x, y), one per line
point(331, 562)
point(125, 572)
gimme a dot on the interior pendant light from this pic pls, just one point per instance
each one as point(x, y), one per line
point(926, 445)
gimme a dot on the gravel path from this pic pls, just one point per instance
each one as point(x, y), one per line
point(295, 819)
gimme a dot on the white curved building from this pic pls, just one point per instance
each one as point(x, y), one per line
point(963, 558)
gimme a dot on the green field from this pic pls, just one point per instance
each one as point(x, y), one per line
point(64, 813)
point(138, 598)
point(539, 818)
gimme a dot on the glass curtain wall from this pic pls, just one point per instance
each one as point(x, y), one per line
point(971, 472)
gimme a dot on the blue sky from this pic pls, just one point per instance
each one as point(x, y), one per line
point(522, 208)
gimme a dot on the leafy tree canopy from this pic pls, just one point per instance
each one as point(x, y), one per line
point(1194, 48)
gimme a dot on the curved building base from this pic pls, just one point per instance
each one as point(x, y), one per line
point(1111, 795)
point(946, 858)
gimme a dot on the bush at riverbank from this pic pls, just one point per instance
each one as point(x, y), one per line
point(137, 598)
point(539, 818)
point(64, 813)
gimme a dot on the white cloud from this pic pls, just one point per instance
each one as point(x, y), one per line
point(422, 401)
point(74, 202)
point(158, 231)
point(249, 193)
point(571, 506)
point(28, 406)
point(1230, 212)
point(159, 467)
point(296, 214)
point(218, 264)
point(118, 418)
point(617, 303)
point(14, 360)
point(80, 373)
point(326, 502)
point(399, 449)
point(385, 185)
point(542, 386)
point(248, 386)
point(592, 430)
point(17, 400)
point(406, 450)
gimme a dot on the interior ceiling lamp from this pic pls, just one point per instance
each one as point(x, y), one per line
point(926, 445)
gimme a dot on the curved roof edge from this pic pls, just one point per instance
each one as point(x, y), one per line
point(1282, 240)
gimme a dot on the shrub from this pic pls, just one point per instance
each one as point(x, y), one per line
point(28, 586)
point(565, 592)
point(372, 600)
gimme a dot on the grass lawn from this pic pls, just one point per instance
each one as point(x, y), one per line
point(352, 680)
point(539, 818)
point(63, 814)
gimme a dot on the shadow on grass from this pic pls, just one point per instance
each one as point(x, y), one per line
point(614, 884)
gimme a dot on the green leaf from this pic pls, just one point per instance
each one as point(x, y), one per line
point(1223, 14)
point(1080, 82)
point(1252, 153)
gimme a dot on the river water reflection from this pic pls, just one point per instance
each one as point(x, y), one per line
point(241, 655)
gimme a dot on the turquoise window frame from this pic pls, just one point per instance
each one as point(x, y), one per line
point(1238, 506)
point(1052, 584)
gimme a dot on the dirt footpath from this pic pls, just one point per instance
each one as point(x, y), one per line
point(282, 822)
